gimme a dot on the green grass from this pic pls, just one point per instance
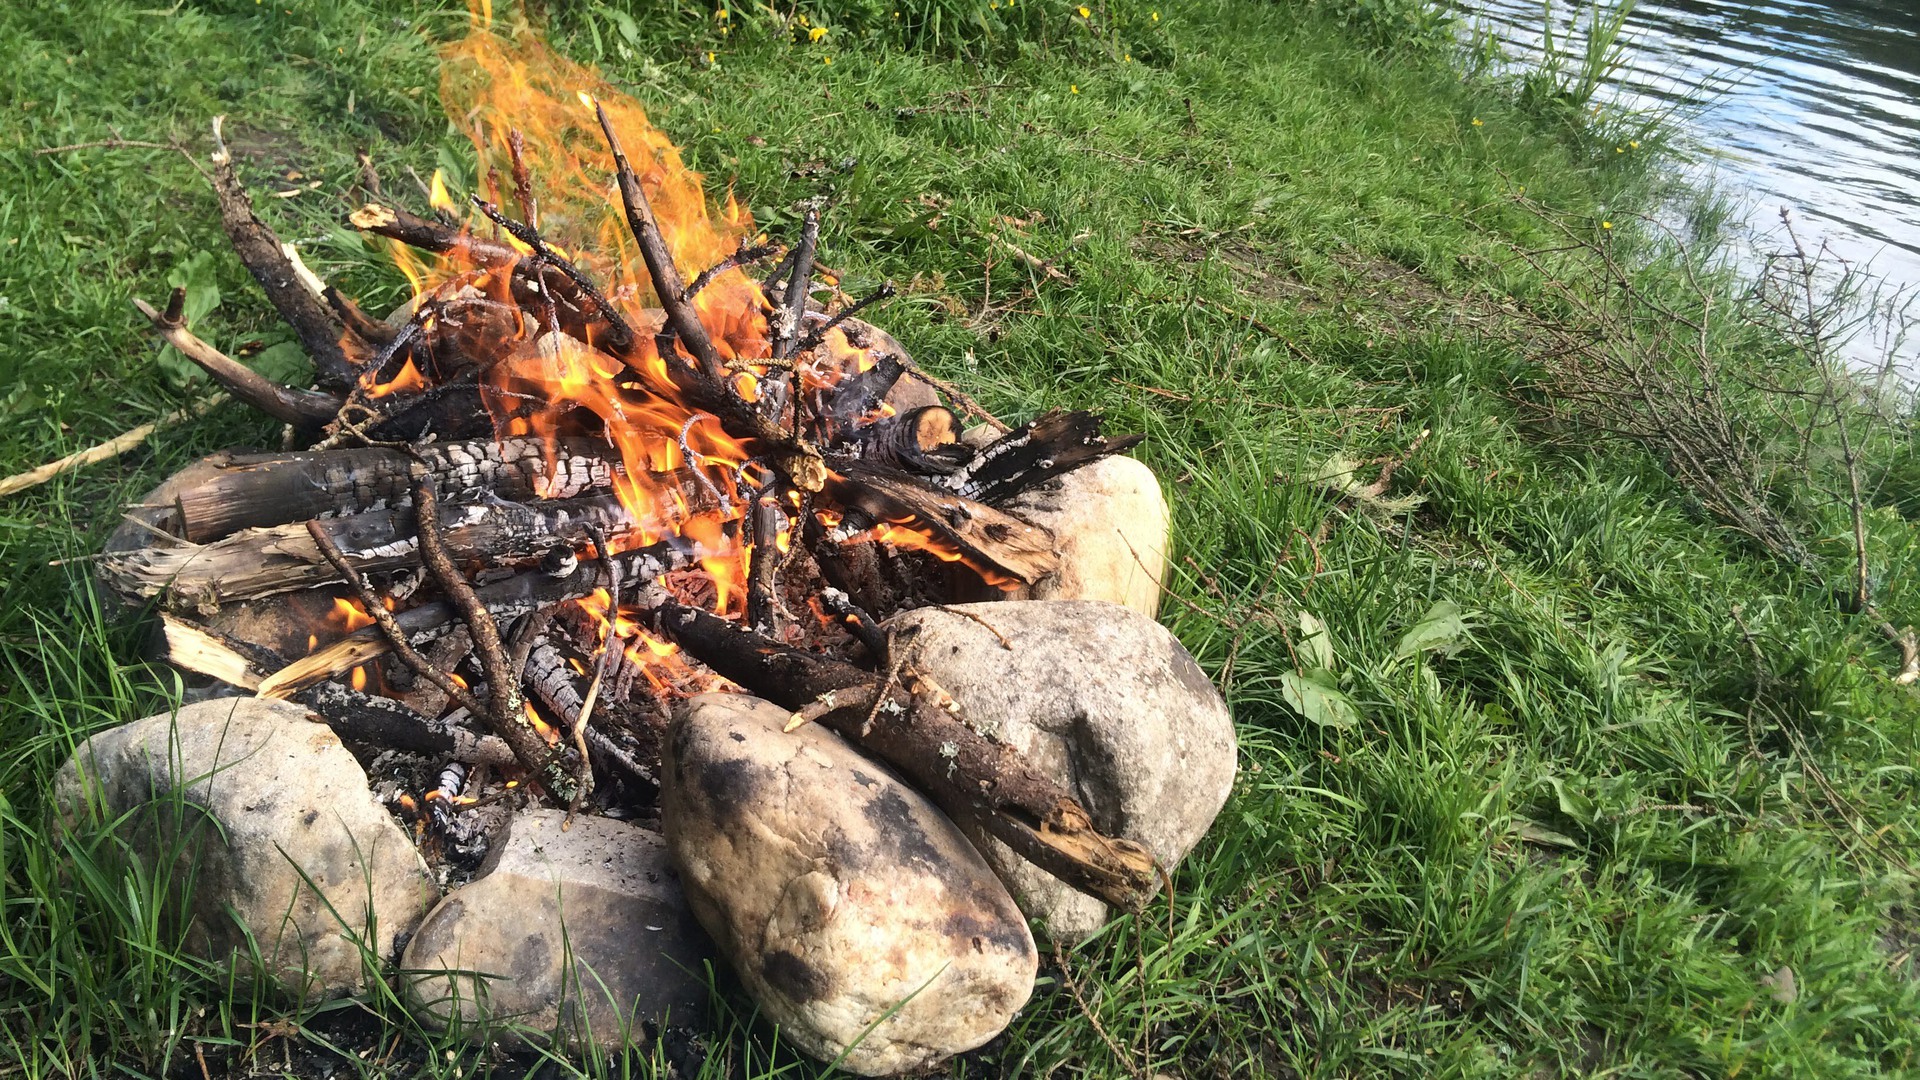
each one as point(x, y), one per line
point(1573, 841)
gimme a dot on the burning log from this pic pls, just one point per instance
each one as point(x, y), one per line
point(263, 490)
point(521, 594)
point(260, 562)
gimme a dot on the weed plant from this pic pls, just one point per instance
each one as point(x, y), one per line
point(1544, 770)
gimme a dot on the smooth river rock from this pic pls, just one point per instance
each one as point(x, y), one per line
point(838, 892)
point(268, 830)
point(602, 895)
point(1102, 698)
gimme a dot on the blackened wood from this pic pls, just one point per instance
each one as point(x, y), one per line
point(384, 621)
point(793, 307)
point(622, 338)
point(819, 333)
point(253, 490)
point(301, 408)
point(260, 250)
point(970, 776)
point(762, 570)
point(395, 223)
point(368, 329)
point(1035, 452)
point(384, 722)
point(856, 397)
point(667, 283)
point(503, 705)
point(710, 387)
point(743, 255)
point(260, 562)
point(922, 441)
point(990, 540)
point(507, 599)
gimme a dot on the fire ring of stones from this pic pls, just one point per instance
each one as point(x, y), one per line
point(587, 644)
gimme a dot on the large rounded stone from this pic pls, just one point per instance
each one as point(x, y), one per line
point(267, 833)
point(852, 908)
point(1102, 698)
point(1110, 527)
point(581, 932)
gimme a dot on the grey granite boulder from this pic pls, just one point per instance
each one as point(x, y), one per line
point(1102, 698)
point(267, 833)
point(856, 914)
point(581, 932)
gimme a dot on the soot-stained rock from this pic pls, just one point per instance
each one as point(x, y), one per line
point(1109, 523)
point(838, 892)
point(584, 932)
point(267, 834)
point(1102, 698)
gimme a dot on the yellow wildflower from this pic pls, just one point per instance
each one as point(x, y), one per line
point(1073, 88)
point(710, 57)
point(1633, 144)
point(1476, 122)
point(720, 13)
point(1128, 59)
point(1606, 224)
point(1156, 16)
point(816, 33)
point(1619, 149)
point(827, 60)
point(1084, 13)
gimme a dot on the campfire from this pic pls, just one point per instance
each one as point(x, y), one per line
point(617, 452)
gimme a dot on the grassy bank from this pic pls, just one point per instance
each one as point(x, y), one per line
point(1626, 772)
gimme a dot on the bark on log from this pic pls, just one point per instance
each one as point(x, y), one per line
point(991, 541)
point(969, 775)
point(260, 562)
point(257, 490)
point(267, 259)
point(504, 600)
point(387, 723)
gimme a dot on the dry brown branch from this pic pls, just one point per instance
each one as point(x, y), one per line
point(105, 451)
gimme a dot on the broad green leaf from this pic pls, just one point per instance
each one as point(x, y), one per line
point(196, 275)
point(285, 363)
point(1317, 701)
point(1316, 645)
point(1439, 629)
point(1571, 803)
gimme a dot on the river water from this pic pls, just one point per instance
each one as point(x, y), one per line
point(1814, 107)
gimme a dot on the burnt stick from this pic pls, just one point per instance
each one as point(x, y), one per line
point(503, 712)
point(623, 337)
point(509, 598)
point(711, 386)
point(742, 256)
point(301, 408)
point(681, 316)
point(819, 333)
point(365, 327)
point(267, 259)
point(391, 724)
point(389, 627)
point(794, 303)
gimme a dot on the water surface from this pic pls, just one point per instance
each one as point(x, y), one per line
point(1814, 107)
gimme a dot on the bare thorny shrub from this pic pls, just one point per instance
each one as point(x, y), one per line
point(1742, 392)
